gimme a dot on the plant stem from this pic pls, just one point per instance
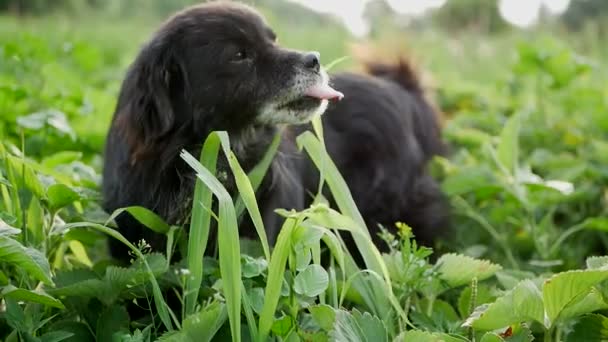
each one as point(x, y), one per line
point(490, 229)
point(570, 231)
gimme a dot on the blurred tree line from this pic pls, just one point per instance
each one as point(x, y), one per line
point(455, 15)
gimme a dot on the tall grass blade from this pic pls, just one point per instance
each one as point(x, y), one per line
point(246, 191)
point(276, 269)
point(256, 175)
point(199, 225)
point(228, 243)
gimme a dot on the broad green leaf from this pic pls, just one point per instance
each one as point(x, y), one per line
point(56, 336)
point(357, 326)
point(483, 296)
point(60, 195)
point(112, 321)
point(201, 326)
point(491, 337)
point(283, 326)
point(60, 158)
point(511, 278)
point(7, 230)
point(51, 118)
point(563, 289)
point(589, 328)
point(37, 296)
point(593, 301)
point(253, 267)
point(508, 146)
point(520, 333)
point(425, 336)
point(324, 316)
point(523, 303)
point(597, 262)
point(79, 331)
point(458, 270)
point(312, 281)
point(27, 259)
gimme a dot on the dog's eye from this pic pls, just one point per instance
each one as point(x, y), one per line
point(240, 55)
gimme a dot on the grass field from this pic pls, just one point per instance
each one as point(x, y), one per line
point(526, 115)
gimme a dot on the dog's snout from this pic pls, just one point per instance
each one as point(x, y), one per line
point(311, 61)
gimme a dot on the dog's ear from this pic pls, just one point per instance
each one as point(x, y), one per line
point(152, 91)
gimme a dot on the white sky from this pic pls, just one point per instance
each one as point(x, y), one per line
point(518, 12)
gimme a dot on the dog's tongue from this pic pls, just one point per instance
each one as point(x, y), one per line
point(324, 92)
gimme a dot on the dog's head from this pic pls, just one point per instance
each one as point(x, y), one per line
point(218, 66)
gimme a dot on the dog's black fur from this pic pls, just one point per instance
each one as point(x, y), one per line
point(381, 137)
point(217, 67)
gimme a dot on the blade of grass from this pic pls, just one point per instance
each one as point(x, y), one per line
point(256, 175)
point(228, 243)
point(347, 206)
point(276, 269)
point(200, 221)
point(247, 194)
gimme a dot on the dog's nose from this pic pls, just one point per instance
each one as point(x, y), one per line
point(311, 60)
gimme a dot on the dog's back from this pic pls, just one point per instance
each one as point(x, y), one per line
point(381, 137)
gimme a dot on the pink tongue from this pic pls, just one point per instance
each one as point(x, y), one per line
point(324, 92)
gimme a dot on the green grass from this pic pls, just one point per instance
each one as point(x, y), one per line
point(527, 119)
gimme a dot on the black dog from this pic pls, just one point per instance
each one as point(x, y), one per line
point(217, 67)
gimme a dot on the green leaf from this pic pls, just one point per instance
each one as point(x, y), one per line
point(283, 326)
point(484, 296)
point(228, 237)
point(589, 328)
point(201, 326)
point(61, 158)
point(491, 337)
point(324, 316)
point(312, 281)
point(425, 336)
point(51, 118)
point(520, 333)
point(276, 269)
point(597, 223)
point(24, 174)
point(597, 262)
point(10, 291)
point(457, 270)
point(357, 326)
point(7, 230)
point(60, 195)
point(27, 259)
point(562, 289)
point(253, 267)
point(593, 301)
point(80, 253)
point(79, 331)
point(523, 303)
point(114, 320)
point(144, 216)
point(56, 336)
point(508, 146)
